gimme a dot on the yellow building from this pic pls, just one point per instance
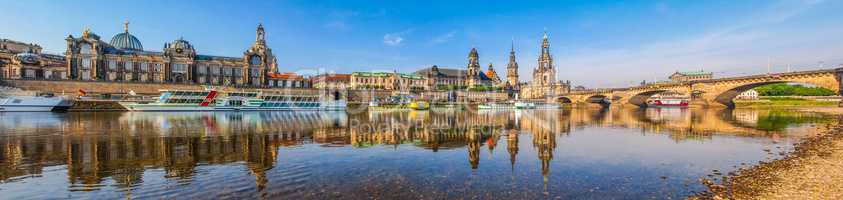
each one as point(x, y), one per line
point(332, 81)
point(690, 76)
point(387, 81)
point(20, 60)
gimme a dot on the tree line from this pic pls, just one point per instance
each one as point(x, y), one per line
point(784, 89)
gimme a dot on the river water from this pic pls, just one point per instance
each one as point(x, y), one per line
point(584, 153)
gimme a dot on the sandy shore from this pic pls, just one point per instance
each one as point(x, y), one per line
point(813, 171)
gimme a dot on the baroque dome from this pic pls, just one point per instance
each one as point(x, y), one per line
point(126, 41)
point(181, 44)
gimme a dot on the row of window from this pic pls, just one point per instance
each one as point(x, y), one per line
point(382, 80)
point(288, 98)
point(128, 65)
point(216, 70)
point(281, 105)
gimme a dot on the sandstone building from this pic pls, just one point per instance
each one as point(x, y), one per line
point(387, 81)
point(20, 60)
point(124, 59)
point(332, 81)
point(690, 76)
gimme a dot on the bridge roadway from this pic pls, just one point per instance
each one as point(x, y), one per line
point(704, 93)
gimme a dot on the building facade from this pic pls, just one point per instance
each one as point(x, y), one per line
point(493, 77)
point(332, 81)
point(748, 95)
point(20, 60)
point(474, 75)
point(438, 78)
point(387, 81)
point(690, 76)
point(124, 59)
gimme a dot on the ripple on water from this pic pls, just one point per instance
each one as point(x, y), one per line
point(582, 154)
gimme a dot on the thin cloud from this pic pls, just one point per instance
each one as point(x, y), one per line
point(337, 24)
point(338, 19)
point(395, 39)
point(443, 38)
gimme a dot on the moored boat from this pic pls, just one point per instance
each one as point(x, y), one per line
point(548, 106)
point(419, 105)
point(16, 100)
point(30, 103)
point(494, 106)
point(524, 105)
point(668, 103)
point(212, 100)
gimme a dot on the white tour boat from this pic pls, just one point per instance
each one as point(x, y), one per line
point(212, 100)
point(19, 101)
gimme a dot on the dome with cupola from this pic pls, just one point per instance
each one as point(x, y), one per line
point(181, 44)
point(126, 41)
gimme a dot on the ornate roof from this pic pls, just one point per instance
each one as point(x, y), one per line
point(491, 72)
point(693, 73)
point(181, 44)
point(126, 41)
point(28, 58)
point(437, 71)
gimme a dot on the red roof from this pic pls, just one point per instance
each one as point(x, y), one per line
point(285, 75)
point(334, 77)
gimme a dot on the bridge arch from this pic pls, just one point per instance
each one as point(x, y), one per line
point(564, 100)
point(640, 99)
point(599, 99)
point(727, 97)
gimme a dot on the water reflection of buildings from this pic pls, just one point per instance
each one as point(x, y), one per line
point(93, 150)
point(122, 146)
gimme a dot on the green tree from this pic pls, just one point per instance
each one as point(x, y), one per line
point(784, 89)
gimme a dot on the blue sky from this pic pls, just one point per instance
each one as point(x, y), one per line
point(594, 43)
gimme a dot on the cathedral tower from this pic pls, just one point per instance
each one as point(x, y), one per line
point(473, 74)
point(512, 69)
point(544, 74)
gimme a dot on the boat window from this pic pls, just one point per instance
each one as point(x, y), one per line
point(16, 101)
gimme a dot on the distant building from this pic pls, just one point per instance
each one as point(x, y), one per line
point(748, 95)
point(440, 78)
point(512, 72)
point(287, 80)
point(493, 77)
point(20, 60)
point(332, 81)
point(690, 76)
point(474, 76)
point(387, 81)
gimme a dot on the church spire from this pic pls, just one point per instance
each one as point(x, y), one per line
point(126, 26)
point(260, 34)
point(512, 67)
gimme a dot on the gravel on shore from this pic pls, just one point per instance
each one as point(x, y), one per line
point(814, 170)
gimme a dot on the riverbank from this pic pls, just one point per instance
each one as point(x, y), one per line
point(814, 170)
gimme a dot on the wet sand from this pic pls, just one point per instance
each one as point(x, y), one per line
point(814, 170)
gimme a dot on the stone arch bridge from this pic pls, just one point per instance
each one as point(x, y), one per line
point(704, 93)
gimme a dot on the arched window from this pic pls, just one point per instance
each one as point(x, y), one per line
point(255, 60)
point(85, 48)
